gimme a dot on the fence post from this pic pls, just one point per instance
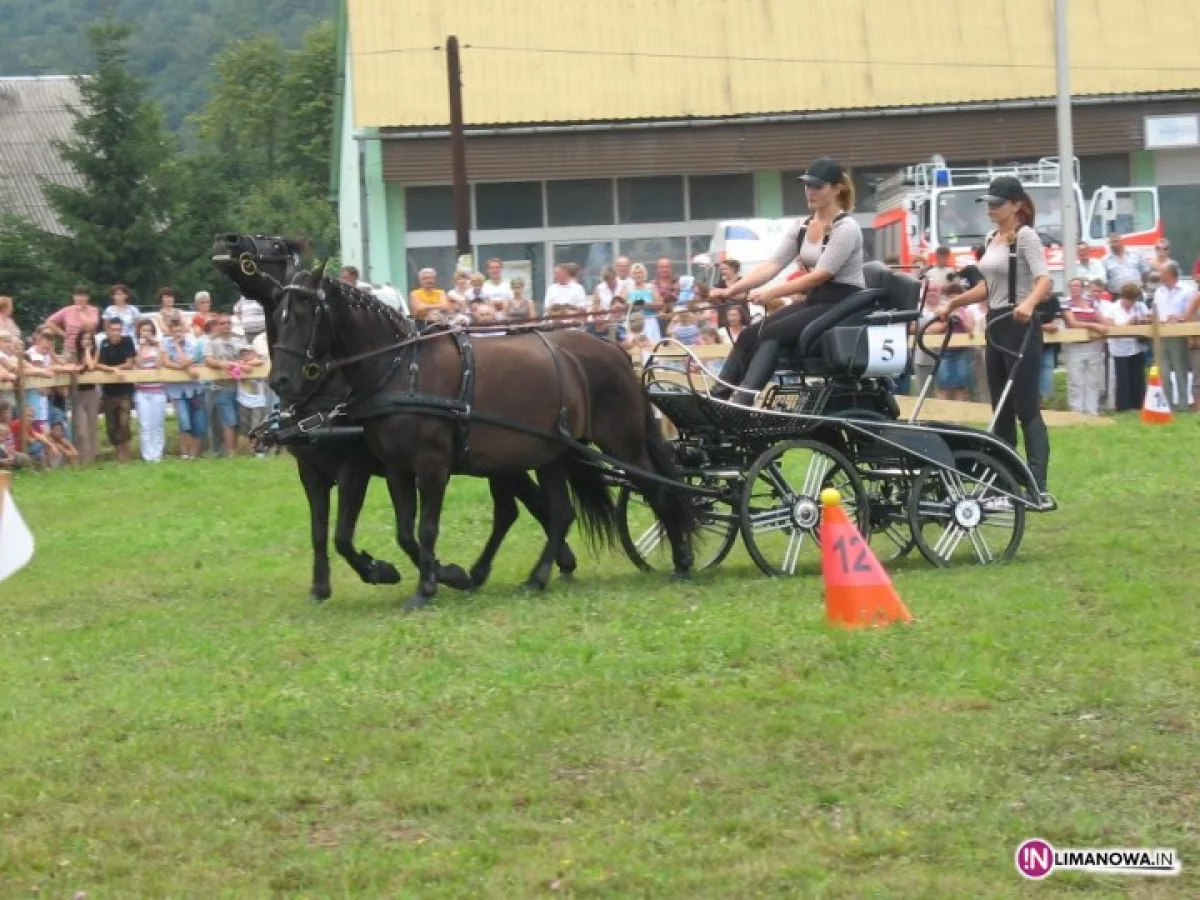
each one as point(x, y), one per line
point(19, 410)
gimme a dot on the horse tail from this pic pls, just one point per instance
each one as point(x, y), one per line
point(677, 505)
point(593, 502)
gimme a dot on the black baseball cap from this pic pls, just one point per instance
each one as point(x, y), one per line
point(823, 171)
point(1005, 189)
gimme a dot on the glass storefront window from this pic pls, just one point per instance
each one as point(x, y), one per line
point(580, 202)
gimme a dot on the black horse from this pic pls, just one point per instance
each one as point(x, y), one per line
point(259, 265)
point(433, 404)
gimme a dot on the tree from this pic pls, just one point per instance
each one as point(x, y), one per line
point(242, 120)
point(290, 206)
point(308, 101)
point(119, 150)
point(28, 271)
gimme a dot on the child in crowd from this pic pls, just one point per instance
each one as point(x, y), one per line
point(954, 373)
point(9, 457)
point(251, 395)
point(57, 438)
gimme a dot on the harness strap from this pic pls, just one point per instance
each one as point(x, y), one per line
point(562, 399)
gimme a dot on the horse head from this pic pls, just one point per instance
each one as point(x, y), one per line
point(259, 264)
point(317, 318)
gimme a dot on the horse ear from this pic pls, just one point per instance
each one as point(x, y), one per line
point(319, 271)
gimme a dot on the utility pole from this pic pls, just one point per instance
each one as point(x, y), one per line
point(1066, 142)
point(458, 156)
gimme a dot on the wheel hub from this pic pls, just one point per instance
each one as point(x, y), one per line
point(806, 513)
point(967, 514)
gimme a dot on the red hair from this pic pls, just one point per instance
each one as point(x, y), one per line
point(1025, 211)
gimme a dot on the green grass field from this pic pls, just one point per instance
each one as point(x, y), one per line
point(179, 721)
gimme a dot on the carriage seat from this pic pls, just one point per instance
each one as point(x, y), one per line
point(835, 344)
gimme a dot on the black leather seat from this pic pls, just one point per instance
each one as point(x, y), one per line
point(886, 292)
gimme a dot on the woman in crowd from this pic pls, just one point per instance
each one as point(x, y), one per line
point(85, 418)
point(181, 352)
point(150, 398)
point(1128, 354)
point(520, 308)
point(122, 309)
point(735, 323)
point(7, 325)
point(1085, 361)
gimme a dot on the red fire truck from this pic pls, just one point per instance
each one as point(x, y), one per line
point(929, 205)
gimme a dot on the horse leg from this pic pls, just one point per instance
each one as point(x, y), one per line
point(559, 516)
point(431, 485)
point(353, 481)
point(316, 489)
point(534, 500)
point(504, 514)
point(403, 491)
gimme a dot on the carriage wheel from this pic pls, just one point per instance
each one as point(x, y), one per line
point(891, 534)
point(645, 540)
point(956, 517)
point(780, 508)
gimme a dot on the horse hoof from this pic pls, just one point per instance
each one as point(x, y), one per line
point(567, 574)
point(680, 577)
point(533, 586)
point(479, 578)
point(320, 594)
point(382, 572)
point(454, 577)
point(415, 602)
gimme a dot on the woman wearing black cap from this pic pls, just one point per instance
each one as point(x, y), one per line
point(1014, 247)
point(829, 244)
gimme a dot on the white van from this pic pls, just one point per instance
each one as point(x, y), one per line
point(749, 241)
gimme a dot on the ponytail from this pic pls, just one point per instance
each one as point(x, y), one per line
point(845, 192)
point(1025, 212)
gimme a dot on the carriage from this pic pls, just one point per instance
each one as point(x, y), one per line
point(830, 419)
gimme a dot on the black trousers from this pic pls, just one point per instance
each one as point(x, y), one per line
point(1024, 401)
point(752, 361)
point(1131, 381)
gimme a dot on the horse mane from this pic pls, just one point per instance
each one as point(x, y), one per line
point(358, 299)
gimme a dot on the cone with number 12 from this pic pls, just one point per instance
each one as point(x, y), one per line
point(858, 592)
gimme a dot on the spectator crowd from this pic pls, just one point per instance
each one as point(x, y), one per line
point(59, 426)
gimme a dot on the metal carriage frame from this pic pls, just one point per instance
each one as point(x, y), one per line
point(935, 486)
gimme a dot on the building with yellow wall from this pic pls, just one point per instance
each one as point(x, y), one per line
point(605, 127)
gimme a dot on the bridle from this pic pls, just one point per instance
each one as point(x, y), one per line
point(314, 369)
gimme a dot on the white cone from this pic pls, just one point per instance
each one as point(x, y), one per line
point(16, 541)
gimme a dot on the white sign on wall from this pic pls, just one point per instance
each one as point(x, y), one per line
point(1172, 131)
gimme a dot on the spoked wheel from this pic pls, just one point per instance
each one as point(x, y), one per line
point(645, 540)
point(780, 509)
point(964, 513)
point(887, 495)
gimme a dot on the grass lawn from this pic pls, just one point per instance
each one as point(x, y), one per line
point(179, 721)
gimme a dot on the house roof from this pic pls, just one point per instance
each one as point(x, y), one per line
point(553, 61)
point(34, 112)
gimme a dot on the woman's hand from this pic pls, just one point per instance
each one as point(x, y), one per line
point(942, 313)
point(718, 293)
point(1024, 311)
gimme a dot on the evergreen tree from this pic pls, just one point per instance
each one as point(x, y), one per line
point(119, 149)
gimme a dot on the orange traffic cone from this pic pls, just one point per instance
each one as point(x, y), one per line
point(1156, 410)
point(858, 592)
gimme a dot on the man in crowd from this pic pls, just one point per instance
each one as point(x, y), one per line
point(115, 356)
